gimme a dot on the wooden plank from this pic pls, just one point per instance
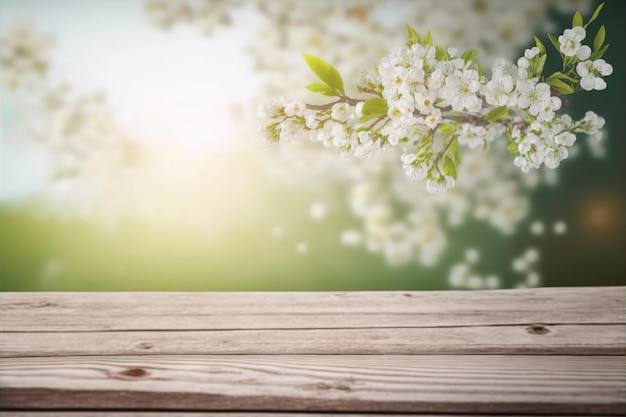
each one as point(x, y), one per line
point(284, 310)
point(401, 383)
point(534, 339)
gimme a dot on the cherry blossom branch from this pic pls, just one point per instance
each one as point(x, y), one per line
point(425, 94)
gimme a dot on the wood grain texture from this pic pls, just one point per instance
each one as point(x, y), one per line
point(27, 312)
point(534, 339)
point(401, 383)
point(537, 351)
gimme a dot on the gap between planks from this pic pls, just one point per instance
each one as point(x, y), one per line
point(66, 413)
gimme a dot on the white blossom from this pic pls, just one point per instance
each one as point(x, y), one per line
point(340, 112)
point(523, 63)
point(266, 110)
point(439, 184)
point(565, 139)
point(501, 91)
point(311, 119)
point(553, 156)
point(414, 168)
point(293, 107)
point(289, 130)
point(591, 73)
point(531, 53)
point(570, 44)
point(461, 91)
point(536, 99)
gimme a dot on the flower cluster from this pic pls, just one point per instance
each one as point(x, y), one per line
point(89, 153)
point(209, 15)
point(429, 100)
point(23, 56)
point(353, 34)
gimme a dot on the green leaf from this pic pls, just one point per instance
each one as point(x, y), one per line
point(375, 107)
point(560, 86)
point(428, 40)
point(456, 155)
point(325, 72)
point(449, 167)
point(562, 76)
point(497, 114)
point(512, 148)
point(555, 43)
point(595, 14)
point(480, 70)
point(599, 53)
point(540, 65)
point(470, 55)
point(599, 39)
point(540, 45)
point(321, 88)
point(577, 20)
point(446, 129)
point(412, 36)
point(440, 54)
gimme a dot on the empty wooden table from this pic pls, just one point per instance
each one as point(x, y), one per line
point(523, 352)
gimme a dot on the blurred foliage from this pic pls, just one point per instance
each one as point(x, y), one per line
point(43, 252)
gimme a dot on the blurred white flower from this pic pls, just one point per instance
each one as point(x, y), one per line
point(531, 255)
point(560, 227)
point(24, 56)
point(472, 255)
point(537, 228)
point(533, 279)
point(351, 237)
point(492, 282)
point(519, 265)
point(317, 211)
point(302, 247)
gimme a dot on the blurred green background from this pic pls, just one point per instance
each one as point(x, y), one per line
point(43, 251)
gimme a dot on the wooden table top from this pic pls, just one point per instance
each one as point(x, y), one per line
point(501, 352)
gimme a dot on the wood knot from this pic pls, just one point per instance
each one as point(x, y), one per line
point(537, 329)
point(341, 386)
point(145, 345)
point(42, 304)
point(134, 372)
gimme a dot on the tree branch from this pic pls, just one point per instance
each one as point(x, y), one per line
point(342, 99)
